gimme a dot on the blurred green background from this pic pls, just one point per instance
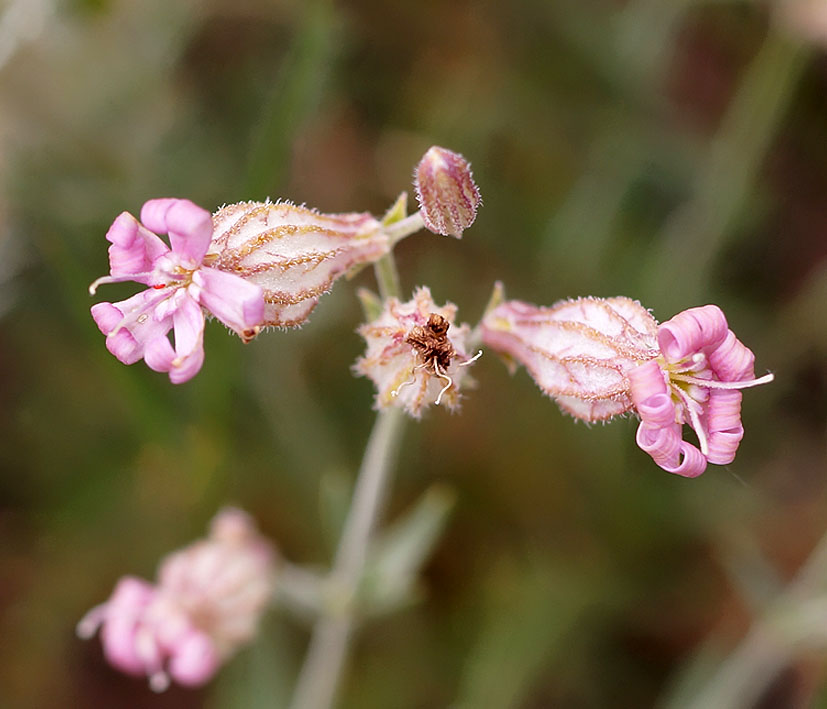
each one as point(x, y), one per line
point(669, 150)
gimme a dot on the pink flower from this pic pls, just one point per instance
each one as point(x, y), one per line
point(207, 603)
point(293, 254)
point(599, 357)
point(181, 287)
point(415, 355)
point(696, 381)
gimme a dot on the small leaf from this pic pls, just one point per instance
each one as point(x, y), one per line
point(397, 557)
point(397, 211)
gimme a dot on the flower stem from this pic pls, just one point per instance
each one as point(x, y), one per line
point(404, 227)
point(769, 646)
point(319, 677)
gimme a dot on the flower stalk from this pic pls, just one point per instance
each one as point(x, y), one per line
point(321, 672)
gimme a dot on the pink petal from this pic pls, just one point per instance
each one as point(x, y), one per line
point(646, 380)
point(194, 661)
point(134, 249)
point(188, 225)
point(692, 465)
point(663, 443)
point(237, 303)
point(185, 361)
point(137, 322)
point(724, 425)
point(731, 360)
point(690, 331)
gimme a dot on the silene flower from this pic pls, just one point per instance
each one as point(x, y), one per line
point(206, 604)
point(599, 357)
point(182, 284)
point(416, 356)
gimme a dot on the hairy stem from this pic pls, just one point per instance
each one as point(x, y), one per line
point(320, 675)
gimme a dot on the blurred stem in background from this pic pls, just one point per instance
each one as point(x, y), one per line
point(319, 677)
point(297, 93)
point(582, 227)
point(795, 620)
point(697, 233)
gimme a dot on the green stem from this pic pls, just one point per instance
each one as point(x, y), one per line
point(322, 669)
point(697, 233)
point(769, 646)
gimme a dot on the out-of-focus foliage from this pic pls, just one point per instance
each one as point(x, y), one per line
point(673, 152)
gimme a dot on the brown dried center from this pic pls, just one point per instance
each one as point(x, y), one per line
point(431, 342)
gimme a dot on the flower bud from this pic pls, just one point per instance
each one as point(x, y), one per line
point(293, 253)
point(416, 356)
point(448, 197)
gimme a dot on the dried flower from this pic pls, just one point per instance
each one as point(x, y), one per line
point(180, 282)
point(447, 194)
point(207, 603)
point(292, 253)
point(602, 357)
point(415, 354)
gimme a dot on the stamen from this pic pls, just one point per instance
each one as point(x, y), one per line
point(695, 420)
point(715, 384)
point(442, 375)
point(115, 279)
point(469, 361)
point(396, 391)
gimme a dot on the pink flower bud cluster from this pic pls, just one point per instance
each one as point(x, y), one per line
point(447, 194)
point(206, 604)
point(292, 253)
point(599, 357)
point(415, 354)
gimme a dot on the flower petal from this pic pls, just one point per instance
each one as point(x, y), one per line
point(134, 249)
point(731, 360)
point(237, 303)
point(690, 331)
point(185, 361)
point(131, 323)
point(194, 660)
point(188, 225)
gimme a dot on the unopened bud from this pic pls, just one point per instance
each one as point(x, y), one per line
point(447, 194)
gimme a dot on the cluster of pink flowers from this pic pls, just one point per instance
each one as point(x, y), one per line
point(600, 357)
point(206, 604)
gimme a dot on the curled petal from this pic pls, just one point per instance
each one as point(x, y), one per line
point(188, 225)
point(692, 464)
point(690, 331)
point(645, 381)
point(134, 249)
point(731, 360)
point(237, 303)
point(724, 425)
point(663, 443)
